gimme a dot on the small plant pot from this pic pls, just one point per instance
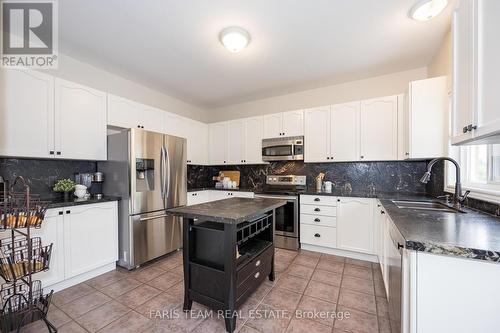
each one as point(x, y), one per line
point(66, 196)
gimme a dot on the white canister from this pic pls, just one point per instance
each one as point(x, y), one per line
point(327, 186)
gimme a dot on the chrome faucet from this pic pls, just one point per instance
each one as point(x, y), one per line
point(458, 198)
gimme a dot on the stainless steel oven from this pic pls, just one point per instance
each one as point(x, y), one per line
point(283, 149)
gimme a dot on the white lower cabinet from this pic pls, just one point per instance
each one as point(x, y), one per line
point(198, 197)
point(84, 238)
point(338, 225)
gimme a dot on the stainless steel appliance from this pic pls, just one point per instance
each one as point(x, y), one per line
point(148, 171)
point(286, 234)
point(395, 255)
point(96, 186)
point(283, 149)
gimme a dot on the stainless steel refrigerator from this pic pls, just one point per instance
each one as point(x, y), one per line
point(148, 171)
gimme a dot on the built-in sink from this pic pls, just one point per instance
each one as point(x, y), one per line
point(425, 205)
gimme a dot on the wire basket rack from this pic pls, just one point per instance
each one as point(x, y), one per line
point(21, 256)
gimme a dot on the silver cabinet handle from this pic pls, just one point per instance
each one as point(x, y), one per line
point(256, 275)
point(317, 220)
point(317, 209)
point(257, 263)
point(317, 235)
point(317, 199)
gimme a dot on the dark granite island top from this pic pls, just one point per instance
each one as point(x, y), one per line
point(472, 234)
point(233, 211)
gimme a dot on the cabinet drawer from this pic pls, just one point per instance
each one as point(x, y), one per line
point(318, 210)
point(261, 260)
point(326, 221)
point(319, 200)
point(246, 288)
point(318, 235)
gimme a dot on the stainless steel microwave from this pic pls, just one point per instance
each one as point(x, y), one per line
point(283, 149)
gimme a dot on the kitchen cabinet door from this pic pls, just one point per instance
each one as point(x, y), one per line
point(235, 142)
point(317, 135)
point(80, 122)
point(487, 58)
point(273, 125)
point(91, 237)
point(27, 122)
point(254, 132)
point(52, 231)
point(379, 129)
point(152, 119)
point(174, 125)
point(198, 197)
point(197, 134)
point(217, 142)
point(293, 123)
point(123, 112)
point(344, 132)
point(355, 225)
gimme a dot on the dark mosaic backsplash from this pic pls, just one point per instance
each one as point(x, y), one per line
point(42, 174)
point(397, 176)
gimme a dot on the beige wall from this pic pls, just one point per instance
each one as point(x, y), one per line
point(385, 85)
point(79, 72)
point(441, 63)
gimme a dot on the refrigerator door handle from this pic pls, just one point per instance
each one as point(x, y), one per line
point(162, 172)
point(153, 217)
point(167, 176)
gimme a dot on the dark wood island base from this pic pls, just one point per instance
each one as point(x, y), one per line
point(226, 260)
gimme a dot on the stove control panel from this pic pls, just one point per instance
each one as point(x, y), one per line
point(286, 180)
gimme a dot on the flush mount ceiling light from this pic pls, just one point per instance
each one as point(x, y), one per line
point(234, 39)
point(425, 10)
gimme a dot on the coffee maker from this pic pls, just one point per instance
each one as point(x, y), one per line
point(96, 185)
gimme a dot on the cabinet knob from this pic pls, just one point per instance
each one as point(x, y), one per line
point(317, 209)
point(362, 156)
point(331, 157)
point(138, 126)
point(257, 275)
point(68, 212)
point(407, 154)
point(328, 158)
point(61, 212)
point(257, 263)
point(317, 220)
point(58, 153)
point(382, 212)
point(338, 200)
point(51, 152)
point(400, 246)
point(317, 199)
point(317, 235)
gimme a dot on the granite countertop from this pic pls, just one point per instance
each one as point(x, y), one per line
point(471, 234)
point(221, 189)
point(367, 194)
point(233, 210)
point(59, 202)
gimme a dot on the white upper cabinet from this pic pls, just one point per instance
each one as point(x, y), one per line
point(254, 132)
point(426, 119)
point(152, 119)
point(379, 129)
point(236, 141)
point(123, 112)
point(273, 125)
point(80, 121)
point(344, 132)
point(217, 142)
point(290, 123)
point(293, 123)
point(27, 123)
point(196, 135)
point(355, 225)
point(174, 125)
point(317, 134)
point(476, 68)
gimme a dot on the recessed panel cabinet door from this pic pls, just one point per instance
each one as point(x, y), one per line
point(123, 112)
point(152, 119)
point(80, 121)
point(344, 132)
point(273, 125)
point(52, 232)
point(217, 141)
point(355, 228)
point(379, 129)
point(293, 123)
point(91, 237)
point(253, 140)
point(196, 135)
point(26, 113)
point(236, 142)
point(317, 135)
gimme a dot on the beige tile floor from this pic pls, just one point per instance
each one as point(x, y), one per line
point(146, 300)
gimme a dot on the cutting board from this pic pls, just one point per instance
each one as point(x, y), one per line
point(234, 176)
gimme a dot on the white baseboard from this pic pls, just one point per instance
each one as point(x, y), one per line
point(80, 278)
point(342, 253)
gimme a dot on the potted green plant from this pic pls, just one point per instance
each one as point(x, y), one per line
point(65, 186)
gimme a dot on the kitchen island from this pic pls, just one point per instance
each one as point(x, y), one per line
point(228, 248)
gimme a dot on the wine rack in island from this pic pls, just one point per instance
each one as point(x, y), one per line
point(21, 257)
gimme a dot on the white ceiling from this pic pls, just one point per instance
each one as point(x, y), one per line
point(172, 45)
